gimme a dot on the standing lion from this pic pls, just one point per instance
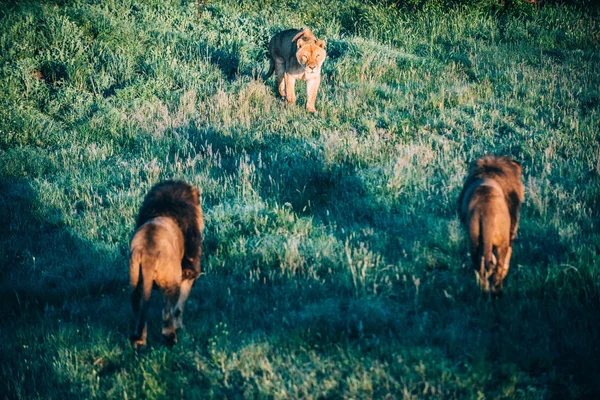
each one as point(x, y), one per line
point(489, 207)
point(297, 54)
point(165, 252)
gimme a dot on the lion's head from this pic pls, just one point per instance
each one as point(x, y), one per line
point(311, 52)
point(503, 169)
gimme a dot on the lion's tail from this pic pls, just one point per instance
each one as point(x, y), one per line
point(135, 268)
point(271, 70)
point(141, 273)
point(487, 232)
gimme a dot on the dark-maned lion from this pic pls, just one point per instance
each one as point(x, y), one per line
point(297, 54)
point(165, 252)
point(489, 207)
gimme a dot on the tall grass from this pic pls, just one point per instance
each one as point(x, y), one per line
point(335, 265)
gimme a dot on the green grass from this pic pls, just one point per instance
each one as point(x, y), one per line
point(335, 264)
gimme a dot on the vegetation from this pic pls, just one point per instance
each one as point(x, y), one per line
point(335, 264)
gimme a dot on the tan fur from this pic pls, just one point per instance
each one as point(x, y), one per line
point(297, 54)
point(157, 253)
point(489, 206)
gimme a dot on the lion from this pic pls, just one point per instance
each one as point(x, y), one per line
point(489, 207)
point(165, 252)
point(297, 54)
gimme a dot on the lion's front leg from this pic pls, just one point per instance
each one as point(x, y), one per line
point(184, 292)
point(290, 93)
point(513, 229)
point(312, 86)
point(171, 294)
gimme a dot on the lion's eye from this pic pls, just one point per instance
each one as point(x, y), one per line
point(304, 58)
point(317, 55)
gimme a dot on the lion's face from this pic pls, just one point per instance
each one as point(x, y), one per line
point(311, 56)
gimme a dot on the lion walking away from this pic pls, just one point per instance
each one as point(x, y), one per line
point(489, 207)
point(165, 252)
point(297, 54)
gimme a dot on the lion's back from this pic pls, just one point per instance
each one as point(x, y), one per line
point(177, 200)
point(281, 45)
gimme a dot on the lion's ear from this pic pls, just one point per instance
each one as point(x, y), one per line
point(518, 165)
point(320, 43)
point(299, 35)
point(196, 195)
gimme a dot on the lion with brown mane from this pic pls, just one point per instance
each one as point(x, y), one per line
point(489, 207)
point(297, 54)
point(165, 253)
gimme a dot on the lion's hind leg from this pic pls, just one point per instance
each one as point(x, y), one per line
point(501, 269)
point(290, 91)
point(279, 66)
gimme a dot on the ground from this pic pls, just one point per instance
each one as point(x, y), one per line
point(334, 262)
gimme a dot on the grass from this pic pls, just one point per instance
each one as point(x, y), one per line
point(335, 264)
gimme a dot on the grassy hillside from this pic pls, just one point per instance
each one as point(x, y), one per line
point(335, 265)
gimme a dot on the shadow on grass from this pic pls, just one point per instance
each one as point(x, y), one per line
point(43, 264)
point(302, 177)
point(548, 339)
point(540, 339)
point(227, 59)
point(55, 289)
point(512, 338)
